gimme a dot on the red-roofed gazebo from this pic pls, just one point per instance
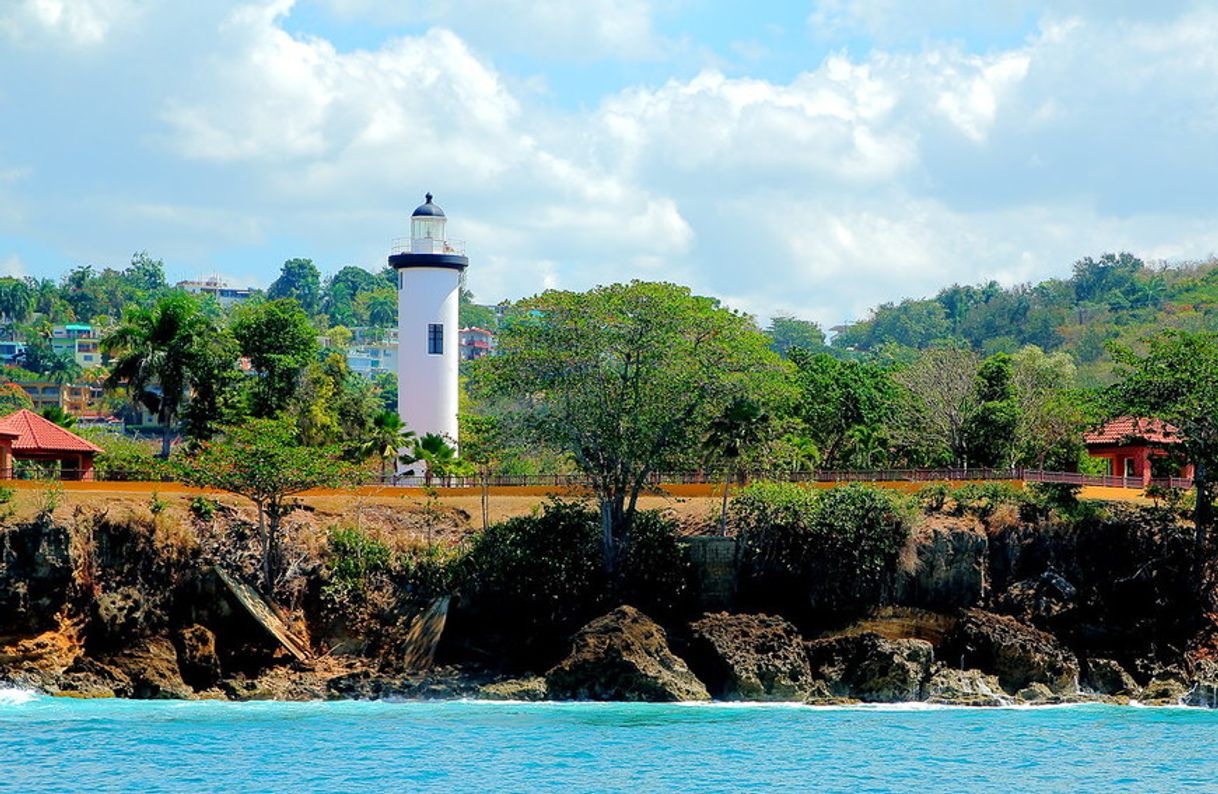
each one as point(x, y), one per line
point(24, 435)
point(1128, 444)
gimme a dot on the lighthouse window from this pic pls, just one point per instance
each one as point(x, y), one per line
point(435, 339)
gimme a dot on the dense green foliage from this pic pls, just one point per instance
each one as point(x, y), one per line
point(1116, 297)
point(817, 554)
point(625, 379)
point(542, 576)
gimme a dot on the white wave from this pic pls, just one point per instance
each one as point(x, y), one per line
point(16, 697)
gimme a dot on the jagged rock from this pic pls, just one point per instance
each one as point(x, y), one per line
point(35, 577)
point(152, 667)
point(1039, 600)
point(949, 569)
point(119, 615)
point(1166, 689)
point(50, 651)
point(1108, 677)
point(89, 678)
point(197, 657)
point(623, 655)
point(749, 657)
point(531, 688)
point(1017, 654)
point(870, 668)
point(906, 623)
point(950, 687)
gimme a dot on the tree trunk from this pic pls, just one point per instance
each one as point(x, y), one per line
point(727, 482)
point(608, 553)
point(264, 534)
point(165, 435)
point(486, 500)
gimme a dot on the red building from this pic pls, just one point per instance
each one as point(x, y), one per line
point(24, 435)
point(1137, 449)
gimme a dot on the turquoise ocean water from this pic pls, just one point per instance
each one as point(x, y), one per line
point(64, 745)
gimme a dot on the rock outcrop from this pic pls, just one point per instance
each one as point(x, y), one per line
point(948, 570)
point(749, 657)
point(1166, 689)
point(870, 668)
point(623, 655)
point(151, 665)
point(1018, 655)
point(531, 688)
point(950, 687)
point(197, 657)
point(1108, 677)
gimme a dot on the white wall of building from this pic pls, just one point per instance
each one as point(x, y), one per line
point(427, 383)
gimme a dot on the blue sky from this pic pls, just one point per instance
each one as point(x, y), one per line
point(807, 157)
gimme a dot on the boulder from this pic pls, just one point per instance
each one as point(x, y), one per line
point(89, 678)
point(950, 687)
point(1108, 677)
point(119, 615)
point(151, 665)
point(749, 657)
point(1040, 600)
point(1017, 654)
point(623, 655)
point(531, 688)
point(870, 668)
point(197, 657)
point(1166, 689)
point(948, 570)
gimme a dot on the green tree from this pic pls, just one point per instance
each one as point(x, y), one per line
point(145, 273)
point(280, 342)
point(298, 280)
point(482, 447)
point(990, 430)
point(625, 379)
point(439, 458)
point(341, 290)
point(387, 438)
point(59, 416)
point(1176, 380)
point(743, 424)
point(263, 461)
point(155, 350)
point(840, 402)
point(1051, 417)
point(16, 300)
point(14, 398)
point(787, 332)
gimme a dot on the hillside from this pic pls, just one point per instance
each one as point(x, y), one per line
point(1115, 298)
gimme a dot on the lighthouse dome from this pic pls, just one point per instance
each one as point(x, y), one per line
point(427, 210)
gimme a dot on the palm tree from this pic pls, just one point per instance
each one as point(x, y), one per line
point(387, 438)
point(154, 349)
point(59, 416)
point(439, 457)
point(742, 424)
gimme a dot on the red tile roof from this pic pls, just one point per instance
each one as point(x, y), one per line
point(1129, 428)
point(33, 433)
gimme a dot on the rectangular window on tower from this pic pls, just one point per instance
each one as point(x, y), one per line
point(435, 339)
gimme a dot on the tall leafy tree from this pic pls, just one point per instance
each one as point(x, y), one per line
point(1176, 380)
point(280, 342)
point(789, 332)
point(300, 280)
point(16, 300)
point(156, 350)
point(742, 425)
point(940, 402)
point(837, 397)
point(265, 462)
point(625, 379)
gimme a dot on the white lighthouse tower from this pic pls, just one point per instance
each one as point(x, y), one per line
point(429, 269)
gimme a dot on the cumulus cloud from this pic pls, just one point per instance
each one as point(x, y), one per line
point(865, 177)
point(79, 22)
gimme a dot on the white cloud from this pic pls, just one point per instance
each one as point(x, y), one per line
point(80, 22)
point(12, 266)
point(863, 178)
point(585, 30)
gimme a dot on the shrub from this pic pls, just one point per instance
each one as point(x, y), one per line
point(353, 558)
point(125, 458)
point(203, 508)
point(821, 557)
point(536, 576)
point(934, 496)
point(981, 499)
point(156, 504)
point(657, 576)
